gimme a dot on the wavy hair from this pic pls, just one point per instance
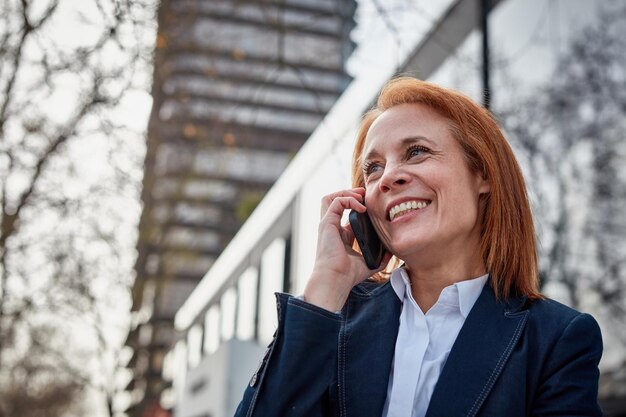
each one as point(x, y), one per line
point(508, 245)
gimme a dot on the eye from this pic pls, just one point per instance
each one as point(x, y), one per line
point(415, 151)
point(371, 167)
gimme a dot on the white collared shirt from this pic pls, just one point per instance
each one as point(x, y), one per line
point(424, 342)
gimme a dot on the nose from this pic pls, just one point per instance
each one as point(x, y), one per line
point(393, 177)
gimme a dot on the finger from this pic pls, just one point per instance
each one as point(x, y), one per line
point(347, 234)
point(357, 193)
point(338, 206)
point(334, 215)
point(328, 200)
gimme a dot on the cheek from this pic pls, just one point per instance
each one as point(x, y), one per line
point(381, 231)
point(460, 187)
point(463, 207)
point(371, 202)
point(377, 215)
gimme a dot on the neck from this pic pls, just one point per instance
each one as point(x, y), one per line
point(427, 281)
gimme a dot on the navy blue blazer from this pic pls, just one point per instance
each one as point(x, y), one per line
point(515, 358)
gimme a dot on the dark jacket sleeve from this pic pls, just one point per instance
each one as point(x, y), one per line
point(294, 377)
point(569, 385)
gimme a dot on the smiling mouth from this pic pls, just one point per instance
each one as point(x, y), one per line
point(406, 207)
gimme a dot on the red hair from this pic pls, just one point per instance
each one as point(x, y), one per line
point(508, 244)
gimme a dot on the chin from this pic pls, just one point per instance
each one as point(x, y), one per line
point(405, 249)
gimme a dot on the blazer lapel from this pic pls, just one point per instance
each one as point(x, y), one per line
point(479, 354)
point(366, 348)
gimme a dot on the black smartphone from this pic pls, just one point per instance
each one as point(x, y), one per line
point(367, 238)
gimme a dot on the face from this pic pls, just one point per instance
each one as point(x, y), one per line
point(420, 192)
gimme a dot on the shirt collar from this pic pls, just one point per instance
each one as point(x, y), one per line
point(468, 291)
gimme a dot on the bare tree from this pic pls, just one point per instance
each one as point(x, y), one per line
point(70, 167)
point(571, 136)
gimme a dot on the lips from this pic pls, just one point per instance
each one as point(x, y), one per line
point(405, 207)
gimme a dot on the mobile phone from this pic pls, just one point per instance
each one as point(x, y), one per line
point(367, 239)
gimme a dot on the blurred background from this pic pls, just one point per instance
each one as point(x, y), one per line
point(162, 162)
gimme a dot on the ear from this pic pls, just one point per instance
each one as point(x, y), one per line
point(482, 185)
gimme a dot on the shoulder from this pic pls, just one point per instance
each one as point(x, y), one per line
point(370, 287)
point(550, 313)
point(564, 348)
point(551, 323)
point(372, 298)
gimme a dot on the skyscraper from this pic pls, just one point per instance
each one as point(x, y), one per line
point(238, 87)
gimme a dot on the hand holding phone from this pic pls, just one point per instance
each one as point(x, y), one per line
point(371, 247)
point(338, 267)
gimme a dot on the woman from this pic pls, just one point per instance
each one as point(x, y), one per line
point(460, 328)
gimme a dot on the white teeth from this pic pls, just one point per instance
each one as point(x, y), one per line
point(405, 207)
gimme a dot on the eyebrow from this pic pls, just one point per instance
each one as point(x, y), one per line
point(373, 154)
